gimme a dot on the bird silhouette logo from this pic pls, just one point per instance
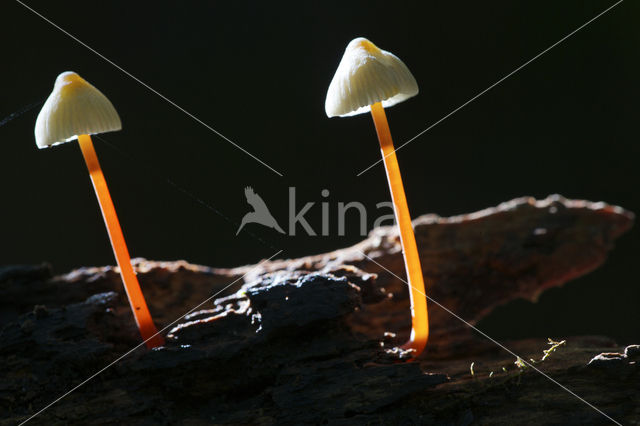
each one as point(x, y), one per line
point(260, 213)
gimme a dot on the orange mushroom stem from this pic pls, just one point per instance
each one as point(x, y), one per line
point(132, 287)
point(419, 316)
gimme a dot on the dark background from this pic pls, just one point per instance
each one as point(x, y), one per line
point(258, 73)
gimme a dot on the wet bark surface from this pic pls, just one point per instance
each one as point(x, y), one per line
point(313, 340)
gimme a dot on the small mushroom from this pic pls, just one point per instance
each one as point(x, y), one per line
point(370, 79)
point(74, 110)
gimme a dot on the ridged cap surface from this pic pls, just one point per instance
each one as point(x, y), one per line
point(366, 75)
point(74, 108)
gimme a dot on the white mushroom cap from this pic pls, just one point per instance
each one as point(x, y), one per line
point(367, 75)
point(74, 108)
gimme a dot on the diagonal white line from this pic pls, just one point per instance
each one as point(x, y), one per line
point(495, 84)
point(142, 343)
point(151, 89)
point(496, 342)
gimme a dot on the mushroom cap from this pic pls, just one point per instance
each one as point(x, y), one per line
point(74, 108)
point(367, 75)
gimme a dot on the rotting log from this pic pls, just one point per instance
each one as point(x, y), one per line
point(303, 340)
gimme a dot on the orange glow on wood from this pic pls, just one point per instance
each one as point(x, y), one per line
point(131, 285)
point(419, 317)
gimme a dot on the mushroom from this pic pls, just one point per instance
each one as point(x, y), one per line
point(74, 110)
point(370, 79)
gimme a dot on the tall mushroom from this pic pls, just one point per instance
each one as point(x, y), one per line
point(369, 79)
point(74, 110)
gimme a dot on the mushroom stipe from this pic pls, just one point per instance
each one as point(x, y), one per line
point(419, 316)
point(139, 307)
